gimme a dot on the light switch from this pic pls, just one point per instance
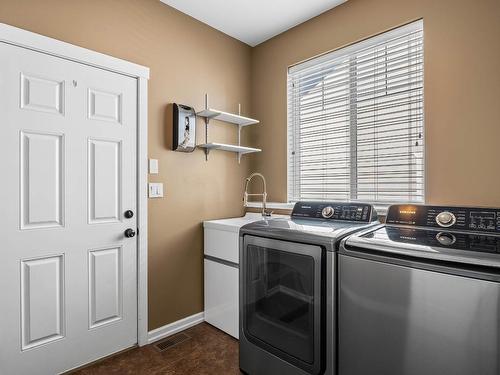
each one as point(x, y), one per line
point(155, 190)
point(153, 166)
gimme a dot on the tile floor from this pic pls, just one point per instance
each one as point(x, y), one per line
point(207, 351)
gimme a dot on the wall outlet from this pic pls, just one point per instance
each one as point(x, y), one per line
point(155, 190)
point(153, 166)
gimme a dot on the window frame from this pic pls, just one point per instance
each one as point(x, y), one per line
point(345, 51)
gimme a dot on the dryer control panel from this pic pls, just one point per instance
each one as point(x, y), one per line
point(460, 218)
point(359, 212)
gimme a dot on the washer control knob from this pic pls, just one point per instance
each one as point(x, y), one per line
point(327, 212)
point(446, 219)
point(446, 239)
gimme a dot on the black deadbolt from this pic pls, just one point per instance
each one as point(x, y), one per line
point(129, 233)
point(129, 214)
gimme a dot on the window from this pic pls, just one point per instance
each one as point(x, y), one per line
point(356, 122)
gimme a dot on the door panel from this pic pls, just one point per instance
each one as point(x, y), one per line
point(105, 106)
point(42, 180)
point(70, 161)
point(105, 182)
point(42, 94)
point(42, 290)
point(105, 287)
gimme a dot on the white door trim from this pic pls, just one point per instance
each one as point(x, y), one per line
point(27, 39)
point(22, 38)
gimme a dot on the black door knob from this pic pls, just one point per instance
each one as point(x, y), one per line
point(129, 214)
point(129, 233)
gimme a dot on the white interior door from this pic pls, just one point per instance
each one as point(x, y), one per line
point(68, 165)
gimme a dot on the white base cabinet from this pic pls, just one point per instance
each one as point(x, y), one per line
point(221, 296)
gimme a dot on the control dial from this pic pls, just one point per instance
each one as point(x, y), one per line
point(446, 239)
point(446, 219)
point(327, 212)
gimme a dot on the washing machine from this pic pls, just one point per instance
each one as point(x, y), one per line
point(288, 287)
point(421, 293)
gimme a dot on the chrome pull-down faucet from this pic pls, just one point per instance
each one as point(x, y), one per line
point(263, 194)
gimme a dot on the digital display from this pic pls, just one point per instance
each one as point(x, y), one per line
point(407, 211)
point(351, 210)
point(483, 215)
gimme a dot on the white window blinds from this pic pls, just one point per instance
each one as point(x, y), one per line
point(355, 122)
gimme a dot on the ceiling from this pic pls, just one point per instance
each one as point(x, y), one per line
point(253, 21)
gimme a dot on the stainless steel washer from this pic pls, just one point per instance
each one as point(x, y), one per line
point(287, 288)
point(421, 294)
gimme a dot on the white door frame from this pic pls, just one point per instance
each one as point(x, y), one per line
point(22, 38)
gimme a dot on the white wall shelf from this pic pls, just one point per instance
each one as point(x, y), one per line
point(231, 118)
point(240, 150)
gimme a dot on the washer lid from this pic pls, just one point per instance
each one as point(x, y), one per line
point(473, 248)
point(300, 230)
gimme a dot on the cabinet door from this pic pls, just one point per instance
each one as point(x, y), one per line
point(221, 296)
point(222, 244)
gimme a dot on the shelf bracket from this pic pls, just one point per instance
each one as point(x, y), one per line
point(239, 143)
point(207, 121)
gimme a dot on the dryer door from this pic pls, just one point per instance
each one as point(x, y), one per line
point(283, 304)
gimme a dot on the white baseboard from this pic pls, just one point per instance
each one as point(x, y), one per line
point(173, 328)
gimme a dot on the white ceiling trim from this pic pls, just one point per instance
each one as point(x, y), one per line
point(255, 21)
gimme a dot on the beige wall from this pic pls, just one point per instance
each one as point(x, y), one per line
point(187, 59)
point(462, 89)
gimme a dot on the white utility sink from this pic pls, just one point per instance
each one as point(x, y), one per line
point(234, 224)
